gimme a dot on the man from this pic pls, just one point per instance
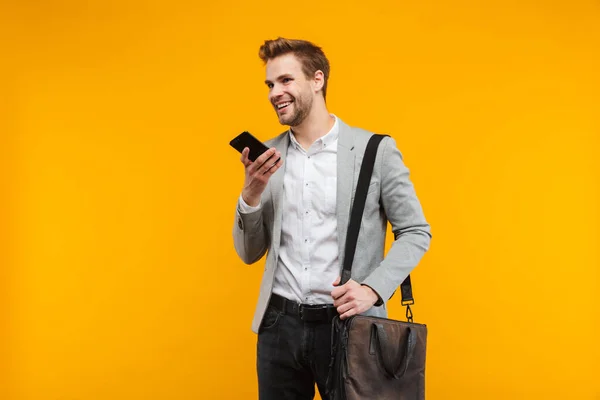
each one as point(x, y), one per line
point(296, 210)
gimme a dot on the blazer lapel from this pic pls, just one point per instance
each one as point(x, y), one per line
point(276, 184)
point(345, 184)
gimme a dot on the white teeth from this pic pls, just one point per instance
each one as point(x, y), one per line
point(283, 104)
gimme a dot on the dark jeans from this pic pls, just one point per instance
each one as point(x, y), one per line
point(292, 355)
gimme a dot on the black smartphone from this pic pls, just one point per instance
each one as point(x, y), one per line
point(246, 139)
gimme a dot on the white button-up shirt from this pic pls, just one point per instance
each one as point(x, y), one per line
point(308, 261)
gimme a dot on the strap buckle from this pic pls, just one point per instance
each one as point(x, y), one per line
point(409, 314)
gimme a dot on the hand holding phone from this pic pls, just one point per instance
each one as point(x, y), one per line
point(259, 165)
point(246, 139)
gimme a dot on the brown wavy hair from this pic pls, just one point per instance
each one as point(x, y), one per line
point(311, 57)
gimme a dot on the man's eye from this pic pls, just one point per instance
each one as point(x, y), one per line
point(270, 85)
point(286, 80)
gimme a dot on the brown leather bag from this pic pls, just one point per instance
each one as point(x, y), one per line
point(375, 358)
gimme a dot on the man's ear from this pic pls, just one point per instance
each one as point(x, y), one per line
point(318, 80)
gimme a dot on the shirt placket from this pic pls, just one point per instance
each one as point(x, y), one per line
point(308, 186)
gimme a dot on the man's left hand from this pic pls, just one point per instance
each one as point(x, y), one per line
point(352, 298)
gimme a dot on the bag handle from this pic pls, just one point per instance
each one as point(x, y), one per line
point(379, 345)
point(364, 180)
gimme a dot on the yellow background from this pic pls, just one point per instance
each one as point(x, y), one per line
point(119, 279)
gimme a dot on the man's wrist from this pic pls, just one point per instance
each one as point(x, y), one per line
point(245, 208)
point(252, 202)
point(373, 294)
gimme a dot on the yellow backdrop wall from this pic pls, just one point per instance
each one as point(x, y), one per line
point(119, 278)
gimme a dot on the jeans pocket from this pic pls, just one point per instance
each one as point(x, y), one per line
point(270, 319)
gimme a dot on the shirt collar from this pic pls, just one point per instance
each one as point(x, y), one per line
point(326, 140)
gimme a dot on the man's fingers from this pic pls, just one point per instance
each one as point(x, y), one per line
point(341, 309)
point(263, 163)
point(350, 299)
point(348, 313)
point(265, 156)
point(349, 296)
point(341, 290)
point(270, 166)
point(338, 292)
point(338, 302)
point(244, 157)
point(346, 297)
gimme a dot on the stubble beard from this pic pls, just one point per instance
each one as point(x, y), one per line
point(302, 108)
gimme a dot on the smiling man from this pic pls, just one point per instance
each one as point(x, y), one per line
point(296, 210)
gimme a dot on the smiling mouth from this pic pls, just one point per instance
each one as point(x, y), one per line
point(282, 106)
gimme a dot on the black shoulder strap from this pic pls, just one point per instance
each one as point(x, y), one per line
point(360, 197)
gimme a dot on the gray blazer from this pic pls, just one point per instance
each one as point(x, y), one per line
point(391, 197)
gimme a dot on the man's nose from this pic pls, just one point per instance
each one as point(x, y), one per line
point(276, 92)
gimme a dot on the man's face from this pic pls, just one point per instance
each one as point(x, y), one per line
point(290, 93)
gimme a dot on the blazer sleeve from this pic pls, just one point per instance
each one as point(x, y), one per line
point(250, 237)
point(405, 214)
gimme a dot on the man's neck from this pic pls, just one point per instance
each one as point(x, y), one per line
point(317, 124)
